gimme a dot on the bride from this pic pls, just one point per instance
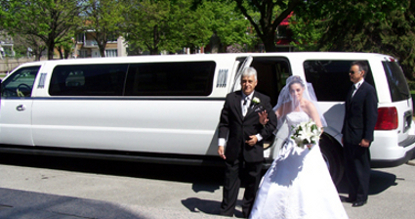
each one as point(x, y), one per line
point(298, 183)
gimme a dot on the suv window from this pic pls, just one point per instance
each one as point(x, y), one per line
point(398, 86)
point(330, 78)
point(88, 80)
point(170, 79)
point(20, 84)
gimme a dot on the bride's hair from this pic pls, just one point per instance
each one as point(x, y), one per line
point(287, 104)
point(295, 80)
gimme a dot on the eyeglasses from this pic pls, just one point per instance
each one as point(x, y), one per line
point(352, 72)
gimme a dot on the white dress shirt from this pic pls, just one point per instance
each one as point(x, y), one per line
point(222, 141)
point(357, 85)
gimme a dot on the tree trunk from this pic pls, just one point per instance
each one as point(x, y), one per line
point(214, 43)
point(51, 46)
point(50, 43)
point(154, 51)
point(37, 51)
point(102, 48)
point(269, 42)
point(60, 52)
point(66, 53)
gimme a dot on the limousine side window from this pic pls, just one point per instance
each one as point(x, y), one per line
point(170, 79)
point(330, 78)
point(20, 84)
point(88, 80)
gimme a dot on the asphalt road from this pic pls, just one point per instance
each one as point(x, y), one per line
point(43, 187)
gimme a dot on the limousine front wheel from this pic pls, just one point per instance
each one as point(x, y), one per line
point(332, 153)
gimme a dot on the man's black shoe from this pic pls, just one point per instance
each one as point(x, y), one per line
point(358, 204)
point(349, 200)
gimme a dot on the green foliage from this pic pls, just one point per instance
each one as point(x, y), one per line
point(398, 36)
point(165, 25)
point(49, 21)
point(231, 27)
point(271, 14)
point(106, 18)
point(379, 26)
point(20, 51)
point(146, 25)
point(411, 85)
point(307, 33)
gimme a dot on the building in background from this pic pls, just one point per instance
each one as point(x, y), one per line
point(6, 45)
point(86, 46)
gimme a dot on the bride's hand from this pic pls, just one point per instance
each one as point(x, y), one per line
point(263, 117)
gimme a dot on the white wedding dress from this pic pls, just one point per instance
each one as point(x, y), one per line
point(298, 184)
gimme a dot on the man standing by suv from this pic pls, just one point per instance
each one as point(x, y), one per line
point(244, 152)
point(359, 124)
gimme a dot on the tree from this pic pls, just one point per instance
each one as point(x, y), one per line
point(49, 20)
point(379, 26)
point(191, 26)
point(156, 25)
point(66, 47)
point(228, 27)
point(266, 15)
point(272, 13)
point(105, 18)
point(33, 43)
point(147, 25)
point(398, 36)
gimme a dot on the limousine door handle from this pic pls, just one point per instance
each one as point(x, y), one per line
point(20, 107)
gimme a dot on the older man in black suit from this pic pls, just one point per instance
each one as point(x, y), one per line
point(359, 123)
point(239, 122)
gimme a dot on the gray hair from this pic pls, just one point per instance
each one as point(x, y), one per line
point(249, 71)
point(362, 66)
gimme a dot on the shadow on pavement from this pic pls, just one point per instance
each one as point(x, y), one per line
point(209, 206)
point(181, 173)
point(379, 182)
point(23, 204)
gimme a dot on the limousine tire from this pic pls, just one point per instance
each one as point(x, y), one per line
point(332, 153)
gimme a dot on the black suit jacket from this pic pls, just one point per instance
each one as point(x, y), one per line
point(238, 128)
point(361, 115)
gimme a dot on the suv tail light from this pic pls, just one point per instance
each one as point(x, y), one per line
point(387, 118)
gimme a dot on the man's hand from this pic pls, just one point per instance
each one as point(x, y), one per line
point(221, 152)
point(252, 140)
point(263, 117)
point(364, 143)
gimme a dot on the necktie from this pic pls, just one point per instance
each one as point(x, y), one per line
point(353, 90)
point(245, 106)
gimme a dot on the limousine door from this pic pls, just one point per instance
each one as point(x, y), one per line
point(16, 107)
point(237, 81)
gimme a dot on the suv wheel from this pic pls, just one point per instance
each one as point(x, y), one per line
point(332, 153)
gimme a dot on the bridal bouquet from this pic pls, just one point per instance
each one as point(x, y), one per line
point(306, 133)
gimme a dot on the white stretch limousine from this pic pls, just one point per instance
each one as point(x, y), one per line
point(166, 109)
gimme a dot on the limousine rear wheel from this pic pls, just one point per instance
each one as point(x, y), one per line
point(332, 153)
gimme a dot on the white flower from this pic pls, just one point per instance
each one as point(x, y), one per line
point(306, 133)
point(256, 100)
